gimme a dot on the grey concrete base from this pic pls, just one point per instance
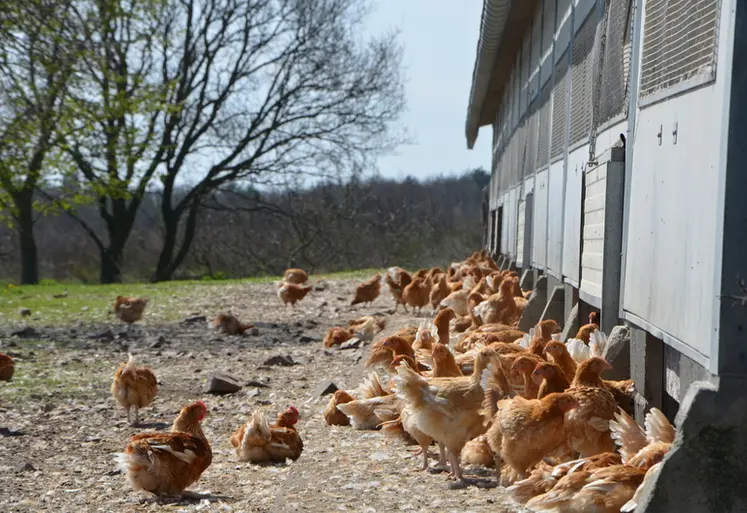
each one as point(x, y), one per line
point(617, 353)
point(535, 306)
point(570, 328)
point(555, 308)
point(527, 280)
point(647, 369)
point(706, 469)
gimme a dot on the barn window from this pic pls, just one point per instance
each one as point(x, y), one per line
point(613, 93)
point(559, 107)
point(543, 135)
point(679, 46)
point(582, 69)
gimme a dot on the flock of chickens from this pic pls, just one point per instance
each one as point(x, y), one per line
point(529, 405)
point(533, 407)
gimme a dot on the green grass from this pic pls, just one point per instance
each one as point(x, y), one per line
point(90, 303)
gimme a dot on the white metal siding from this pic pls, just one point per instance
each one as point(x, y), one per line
point(555, 219)
point(520, 225)
point(539, 234)
point(572, 219)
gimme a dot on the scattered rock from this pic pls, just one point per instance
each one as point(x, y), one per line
point(9, 432)
point(104, 336)
point(281, 360)
point(222, 384)
point(27, 332)
point(254, 332)
point(25, 467)
point(325, 388)
point(48, 407)
point(254, 392)
point(305, 339)
point(321, 286)
point(24, 312)
point(256, 384)
point(195, 319)
point(266, 325)
point(353, 343)
point(115, 472)
point(84, 309)
point(159, 343)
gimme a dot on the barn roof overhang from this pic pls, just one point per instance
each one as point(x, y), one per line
point(502, 28)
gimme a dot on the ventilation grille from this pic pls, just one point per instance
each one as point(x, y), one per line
point(543, 131)
point(616, 72)
point(679, 43)
point(530, 156)
point(581, 79)
point(559, 106)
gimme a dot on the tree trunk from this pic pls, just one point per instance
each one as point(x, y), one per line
point(29, 255)
point(168, 261)
point(111, 264)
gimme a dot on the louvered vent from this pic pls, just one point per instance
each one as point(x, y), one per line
point(679, 43)
point(543, 135)
point(616, 72)
point(559, 106)
point(530, 158)
point(582, 69)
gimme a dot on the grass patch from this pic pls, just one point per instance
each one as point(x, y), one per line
point(53, 303)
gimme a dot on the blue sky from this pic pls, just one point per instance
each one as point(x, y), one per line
point(440, 40)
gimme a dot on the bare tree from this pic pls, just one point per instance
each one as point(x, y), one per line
point(38, 50)
point(204, 93)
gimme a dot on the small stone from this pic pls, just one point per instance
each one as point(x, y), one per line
point(254, 332)
point(281, 360)
point(9, 432)
point(25, 467)
point(48, 407)
point(305, 339)
point(195, 319)
point(254, 392)
point(159, 343)
point(222, 384)
point(24, 312)
point(104, 336)
point(325, 388)
point(353, 343)
point(27, 332)
point(256, 384)
point(85, 309)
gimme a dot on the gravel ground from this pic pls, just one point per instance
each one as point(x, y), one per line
point(60, 428)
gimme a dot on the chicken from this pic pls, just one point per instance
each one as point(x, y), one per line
point(550, 378)
point(557, 352)
point(416, 294)
point(441, 322)
point(332, 415)
point(397, 279)
point(362, 412)
point(230, 325)
point(524, 366)
point(292, 293)
point(368, 291)
point(439, 291)
point(297, 276)
point(134, 387)
point(7, 367)
point(585, 331)
point(165, 464)
point(337, 336)
point(457, 301)
point(446, 409)
point(477, 452)
point(588, 425)
point(623, 392)
point(129, 309)
point(526, 430)
point(395, 344)
point(404, 427)
point(444, 364)
point(366, 327)
point(632, 504)
point(259, 442)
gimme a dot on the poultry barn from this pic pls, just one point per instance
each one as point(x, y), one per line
point(618, 176)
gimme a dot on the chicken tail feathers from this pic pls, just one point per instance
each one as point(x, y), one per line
point(627, 434)
point(658, 427)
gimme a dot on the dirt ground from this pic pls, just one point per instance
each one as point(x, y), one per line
point(60, 428)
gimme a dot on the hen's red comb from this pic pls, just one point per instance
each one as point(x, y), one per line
point(293, 409)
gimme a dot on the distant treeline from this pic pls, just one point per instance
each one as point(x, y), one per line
point(375, 222)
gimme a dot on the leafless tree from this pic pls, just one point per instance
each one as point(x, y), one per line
point(188, 96)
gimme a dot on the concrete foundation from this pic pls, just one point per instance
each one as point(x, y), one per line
point(706, 469)
point(555, 308)
point(647, 370)
point(617, 353)
point(535, 306)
